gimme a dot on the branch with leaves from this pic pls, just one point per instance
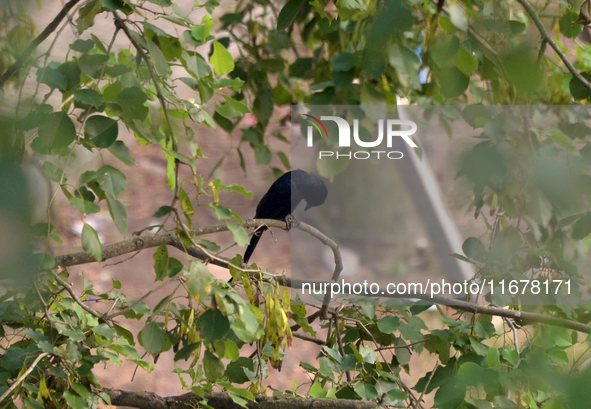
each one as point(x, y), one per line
point(147, 400)
point(546, 38)
point(145, 242)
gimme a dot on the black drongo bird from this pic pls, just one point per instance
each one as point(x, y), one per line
point(283, 197)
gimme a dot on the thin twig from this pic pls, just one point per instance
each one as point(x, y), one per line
point(529, 9)
point(308, 338)
point(70, 290)
point(132, 306)
point(340, 342)
point(23, 376)
point(407, 346)
point(38, 40)
point(427, 385)
point(46, 310)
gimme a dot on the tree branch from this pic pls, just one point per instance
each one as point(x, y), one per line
point(38, 40)
point(546, 37)
point(170, 238)
point(148, 400)
point(141, 243)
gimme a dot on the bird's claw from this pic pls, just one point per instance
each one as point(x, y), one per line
point(291, 220)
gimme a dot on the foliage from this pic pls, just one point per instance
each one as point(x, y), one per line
point(535, 184)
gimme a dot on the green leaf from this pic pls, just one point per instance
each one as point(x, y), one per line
point(199, 281)
point(343, 62)
point(88, 97)
point(75, 401)
point(122, 152)
point(85, 206)
point(239, 233)
point(221, 212)
point(227, 111)
point(406, 63)
point(561, 139)
point(476, 115)
point(174, 266)
point(195, 65)
point(92, 64)
point(151, 337)
point(161, 262)
point(131, 100)
point(511, 356)
point(465, 61)
point(388, 324)
point(453, 82)
point(232, 352)
point(115, 181)
point(473, 374)
point(162, 3)
point(239, 189)
point(284, 160)
point(101, 131)
point(57, 131)
point(91, 242)
point(578, 90)
point(125, 333)
point(202, 31)
point(492, 357)
point(221, 59)
point(213, 325)
point(239, 106)
point(366, 391)
point(474, 249)
point(186, 204)
point(484, 329)
point(249, 328)
point(478, 347)
point(288, 13)
point(558, 356)
point(54, 173)
point(443, 49)
point(582, 227)
point(105, 331)
point(316, 390)
point(262, 107)
point(158, 59)
point(458, 16)
point(213, 366)
point(187, 351)
point(235, 370)
point(71, 72)
point(567, 26)
point(450, 395)
point(523, 69)
point(82, 46)
point(86, 15)
point(162, 211)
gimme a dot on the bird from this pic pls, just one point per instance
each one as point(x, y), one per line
point(282, 198)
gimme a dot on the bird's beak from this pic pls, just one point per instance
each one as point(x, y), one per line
point(308, 205)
